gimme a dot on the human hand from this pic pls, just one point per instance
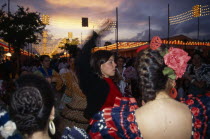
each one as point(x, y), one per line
point(104, 28)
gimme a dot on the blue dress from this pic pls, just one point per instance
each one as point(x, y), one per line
point(117, 121)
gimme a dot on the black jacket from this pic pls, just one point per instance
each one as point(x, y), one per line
point(95, 88)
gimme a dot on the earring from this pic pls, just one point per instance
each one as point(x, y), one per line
point(173, 92)
point(52, 127)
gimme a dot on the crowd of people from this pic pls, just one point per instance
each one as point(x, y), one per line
point(161, 93)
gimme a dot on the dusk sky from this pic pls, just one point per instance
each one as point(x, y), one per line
point(65, 16)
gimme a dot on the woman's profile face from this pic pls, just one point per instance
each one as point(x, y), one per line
point(46, 62)
point(108, 68)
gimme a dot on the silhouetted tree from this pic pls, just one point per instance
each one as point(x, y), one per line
point(72, 47)
point(20, 28)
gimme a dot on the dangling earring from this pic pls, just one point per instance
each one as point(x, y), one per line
point(173, 93)
point(52, 127)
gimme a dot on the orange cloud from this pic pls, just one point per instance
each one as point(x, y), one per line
point(73, 21)
point(63, 22)
point(98, 4)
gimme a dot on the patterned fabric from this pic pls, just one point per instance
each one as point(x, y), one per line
point(7, 127)
point(73, 111)
point(200, 109)
point(117, 121)
point(72, 84)
point(74, 133)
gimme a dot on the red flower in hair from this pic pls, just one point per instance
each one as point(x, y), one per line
point(155, 42)
point(177, 59)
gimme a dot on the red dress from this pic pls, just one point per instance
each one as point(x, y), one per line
point(113, 93)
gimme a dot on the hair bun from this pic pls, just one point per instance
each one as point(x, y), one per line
point(28, 100)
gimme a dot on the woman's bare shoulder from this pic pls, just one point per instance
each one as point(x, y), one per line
point(161, 115)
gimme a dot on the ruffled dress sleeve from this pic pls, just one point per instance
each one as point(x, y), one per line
point(117, 121)
point(74, 133)
point(200, 109)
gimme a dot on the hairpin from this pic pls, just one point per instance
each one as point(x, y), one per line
point(142, 48)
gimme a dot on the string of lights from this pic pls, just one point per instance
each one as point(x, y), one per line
point(126, 45)
point(112, 25)
point(197, 11)
point(205, 10)
point(181, 18)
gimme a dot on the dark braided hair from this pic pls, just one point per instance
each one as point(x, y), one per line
point(149, 65)
point(31, 104)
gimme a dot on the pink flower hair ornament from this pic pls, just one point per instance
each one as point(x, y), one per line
point(175, 58)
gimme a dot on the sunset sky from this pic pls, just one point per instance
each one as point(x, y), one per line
point(65, 16)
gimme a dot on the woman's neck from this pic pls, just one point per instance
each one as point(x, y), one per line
point(162, 95)
point(39, 135)
point(105, 77)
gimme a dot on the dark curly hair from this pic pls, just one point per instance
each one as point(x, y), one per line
point(149, 65)
point(31, 104)
point(98, 58)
